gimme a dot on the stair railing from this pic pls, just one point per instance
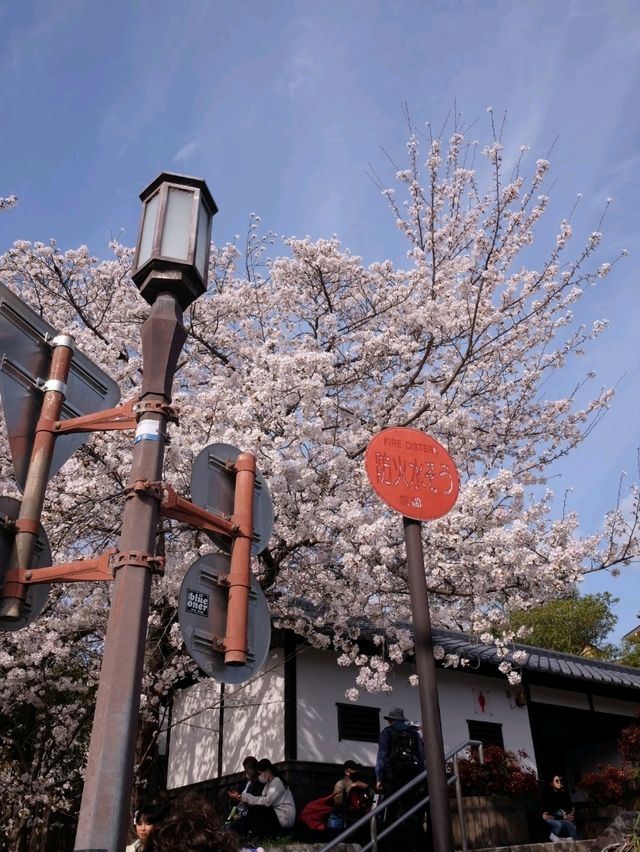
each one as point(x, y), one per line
point(371, 817)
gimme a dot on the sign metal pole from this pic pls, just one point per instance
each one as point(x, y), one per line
point(428, 689)
point(414, 475)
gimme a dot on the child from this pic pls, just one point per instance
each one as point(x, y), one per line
point(144, 821)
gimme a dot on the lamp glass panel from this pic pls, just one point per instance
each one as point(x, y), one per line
point(148, 227)
point(204, 226)
point(177, 222)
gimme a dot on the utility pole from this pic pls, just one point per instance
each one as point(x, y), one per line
point(108, 781)
point(170, 270)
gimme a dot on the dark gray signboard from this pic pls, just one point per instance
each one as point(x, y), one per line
point(213, 487)
point(36, 595)
point(25, 357)
point(202, 613)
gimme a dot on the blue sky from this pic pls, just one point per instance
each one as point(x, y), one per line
point(282, 107)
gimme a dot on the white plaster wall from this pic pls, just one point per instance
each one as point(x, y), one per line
point(465, 696)
point(253, 724)
point(559, 697)
point(254, 716)
point(193, 736)
point(615, 706)
point(322, 684)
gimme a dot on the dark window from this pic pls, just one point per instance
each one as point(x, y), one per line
point(489, 733)
point(358, 723)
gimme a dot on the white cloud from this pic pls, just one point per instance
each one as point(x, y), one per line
point(301, 74)
point(187, 151)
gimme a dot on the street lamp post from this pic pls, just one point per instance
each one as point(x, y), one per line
point(170, 270)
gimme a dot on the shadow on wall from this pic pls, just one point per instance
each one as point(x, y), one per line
point(252, 723)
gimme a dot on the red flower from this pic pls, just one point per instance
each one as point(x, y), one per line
point(605, 785)
point(502, 774)
point(629, 745)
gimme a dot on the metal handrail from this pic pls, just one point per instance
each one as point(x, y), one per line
point(384, 804)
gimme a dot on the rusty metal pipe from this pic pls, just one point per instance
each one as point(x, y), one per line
point(104, 812)
point(236, 641)
point(37, 476)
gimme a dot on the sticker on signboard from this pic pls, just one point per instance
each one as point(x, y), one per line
point(197, 602)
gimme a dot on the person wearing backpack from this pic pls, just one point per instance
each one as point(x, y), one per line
point(400, 758)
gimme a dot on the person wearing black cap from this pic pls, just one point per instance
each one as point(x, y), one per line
point(400, 758)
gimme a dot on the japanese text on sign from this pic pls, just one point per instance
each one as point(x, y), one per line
point(412, 473)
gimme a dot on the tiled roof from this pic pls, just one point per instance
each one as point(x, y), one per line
point(541, 660)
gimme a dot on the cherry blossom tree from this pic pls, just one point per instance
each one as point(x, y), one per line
point(8, 202)
point(301, 359)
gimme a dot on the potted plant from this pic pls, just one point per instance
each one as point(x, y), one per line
point(495, 798)
point(613, 788)
point(604, 787)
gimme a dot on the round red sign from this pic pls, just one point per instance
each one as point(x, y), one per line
point(412, 473)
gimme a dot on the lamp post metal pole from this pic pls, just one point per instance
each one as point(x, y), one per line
point(428, 689)
point(104, 812)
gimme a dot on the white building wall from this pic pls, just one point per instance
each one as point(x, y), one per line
point(254, 716)
point(463, 696)
point(559, 697)
point(193, 735)
point(615, 706)
point(253, 724)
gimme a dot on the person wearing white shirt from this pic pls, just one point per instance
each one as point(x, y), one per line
point(273, 812)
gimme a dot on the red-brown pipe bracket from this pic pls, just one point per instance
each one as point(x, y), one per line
point(12, 588)
point(176, 507)
point(96, 569)
point(47, 424)
point(143, 486)
point(157, 407)
point(245, 461)
point(111, 420)
point(138, 559)
point(27, 525)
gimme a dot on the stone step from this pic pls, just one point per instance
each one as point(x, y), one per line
point(573, 846)
point(312, 847)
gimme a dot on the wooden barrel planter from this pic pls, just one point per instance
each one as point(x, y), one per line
point(490, 821)
point(593, 820)
point(631, 796)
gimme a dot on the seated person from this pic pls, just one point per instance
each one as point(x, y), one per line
point(352, 795)
point(240, 810)
point(557, 810)
point(273, 812)
point(359, 798)
point(342, 787)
